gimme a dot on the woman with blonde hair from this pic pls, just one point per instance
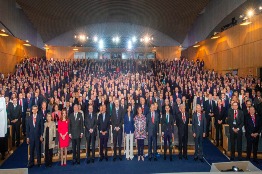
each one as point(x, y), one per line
point(49, 139)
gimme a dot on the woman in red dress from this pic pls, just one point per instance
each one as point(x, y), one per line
point(63, 136)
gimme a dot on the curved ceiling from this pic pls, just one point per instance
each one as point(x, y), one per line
point(171, 17)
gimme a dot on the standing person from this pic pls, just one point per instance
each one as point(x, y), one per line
point(209, 106)
point(15, 120)
point(129, 129)
point(22, 103)
point(76, 133)
point(117, 126)
point(167, 128)
point(3, 127)
point(56, 114)
point(198, 129)
point(63, 126)
point(182, 121)
point(103, 127)
point(236, 123)
point(90, 123)
point(49, 139)
point(220, 116)
point(34, 135)
point(253, 128)
point(140, 132)
point(152, 121)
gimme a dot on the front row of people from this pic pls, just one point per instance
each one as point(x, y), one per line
point(139, 127)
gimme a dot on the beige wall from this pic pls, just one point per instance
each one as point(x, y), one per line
point(58, 52)
point(239, 48)
point(12, 51)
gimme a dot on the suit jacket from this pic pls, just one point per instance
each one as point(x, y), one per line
point(108, 109)
point(239, 120)
point(129, 124)
point(175, 97)
point(52, 134)
point(167, 127)
point(209, 108)
point(219, 115)
point(117, 121)
point(39, 102)
point(148, 101)
point(15, 113)
point(76, 126)
point(152, 128)
point(160, 104)
point(251, 128)
point(103, 125)
point(43, 114)
point(181, 125)
point(199, 130)
point(69, 110)
point(200, 102)
point(146, 109)
point(90, 123)
point(34, 132)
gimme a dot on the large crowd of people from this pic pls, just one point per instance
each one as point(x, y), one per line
point(82, 98)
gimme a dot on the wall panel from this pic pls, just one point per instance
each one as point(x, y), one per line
point(239, 48)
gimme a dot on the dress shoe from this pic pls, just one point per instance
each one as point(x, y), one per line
point(93, 160)
point(106, 159)
point(195, 158)
point(30, 165)
point(73, 163)
point(201, 160)
point(171, 159)
point(150, 159)
point(120, 158)
point(164, 157)
point(155, 159)
point(78, 162)
point(38, 165)
point(232, 159)
point(180, 157)
point(185, 157)
point(87, 161)
point(239, 159)
point(101, 159)
point(114, 159)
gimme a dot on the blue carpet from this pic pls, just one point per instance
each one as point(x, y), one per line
point(212, 155)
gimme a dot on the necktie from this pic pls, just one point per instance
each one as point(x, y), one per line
point(20, 102)
point(34, 120)
point(199, 118)
point(153, 117)
point(103, 117)
point(75, 116)
point(254, 120)
point(183, 117)
point(235, 114)
point(167, 118)
point(91, 116)
point(117, 113)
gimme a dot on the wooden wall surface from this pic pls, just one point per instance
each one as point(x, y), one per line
point(239, 48)
point(12, 51)
point(67, 53)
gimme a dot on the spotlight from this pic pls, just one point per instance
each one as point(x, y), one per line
point(82, 38)
point(260, 8)
point(4, 34)
point(95, 38)
point(147, 39)
point(75, 49)
point(215, 36)
point(250, 13)
point(117, 39)
point(134, 39)
point(129, 45)
point(27, 43)
point(196, 45)
point(101, 44)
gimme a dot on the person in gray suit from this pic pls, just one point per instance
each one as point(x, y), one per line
point(90, 123)
point(117, 126)
point(152, 121)
point(199, 128)
point(76, 132)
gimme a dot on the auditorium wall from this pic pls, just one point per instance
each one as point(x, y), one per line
point(58, 52)
point(239, 48)
point(12, 51)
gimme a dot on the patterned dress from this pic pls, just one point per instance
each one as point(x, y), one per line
point(140, 127)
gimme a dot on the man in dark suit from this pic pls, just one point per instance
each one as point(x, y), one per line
point(34, 135)
point(220, 116)
point(37, 100)
point(144, 107)
point(43, 111)
point(103, 127)
point(167, 127)
point(76, 132)
point(15, 120)
point(182, 121)
point(151, 99)
point(199, 128)
point(117, 126)
point(236, 123)
point(200, 99)
point(209, 107)
point(152, 121)
point(176, 95)
point(90, 123)
point(253, 129)
point(110, 106)
point(69, 109)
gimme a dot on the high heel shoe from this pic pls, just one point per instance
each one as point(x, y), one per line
point(138, 158)
point(143, 158)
